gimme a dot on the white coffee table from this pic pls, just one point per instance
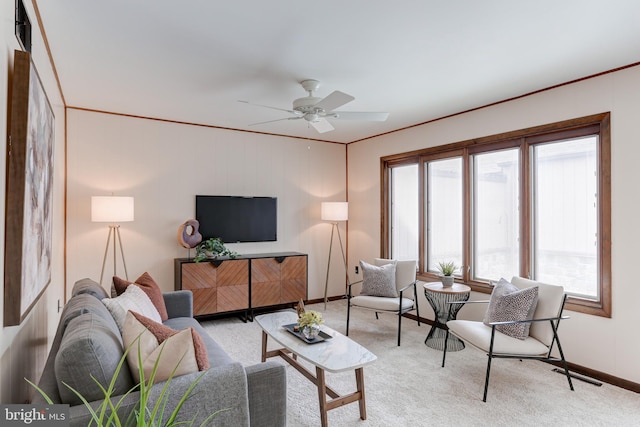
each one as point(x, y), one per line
point(337, 354)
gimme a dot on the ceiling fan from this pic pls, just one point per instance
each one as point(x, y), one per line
point(316, 110)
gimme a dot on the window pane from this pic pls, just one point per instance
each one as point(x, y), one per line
point(566, 215)
point(444, 212)
point(404, 212)
point(496, 222)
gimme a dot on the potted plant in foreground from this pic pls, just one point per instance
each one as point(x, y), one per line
point(446, 270)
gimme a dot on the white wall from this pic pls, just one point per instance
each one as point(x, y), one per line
point(606, 345)
point(164, 165)
point(23, 348)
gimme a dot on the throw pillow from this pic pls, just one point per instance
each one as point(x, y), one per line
point(379, 281)
point(162, 348)
point(507, 303)
point(134, 299)
point(147, 284)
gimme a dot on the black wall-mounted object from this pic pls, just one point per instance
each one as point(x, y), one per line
point(238, 219)
point(23, 26)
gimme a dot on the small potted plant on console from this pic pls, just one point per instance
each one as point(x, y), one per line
point(212, 248)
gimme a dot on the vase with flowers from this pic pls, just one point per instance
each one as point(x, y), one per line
point(309, 323)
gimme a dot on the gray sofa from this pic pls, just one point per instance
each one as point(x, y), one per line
point(88, 343)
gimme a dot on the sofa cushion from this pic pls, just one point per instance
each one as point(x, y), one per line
point(168, 351)
point(81, 304)
point(382, 304)
point(134, 299)
point(149, 286)
point(88, 286)
point(217, 356)
point(90, 346)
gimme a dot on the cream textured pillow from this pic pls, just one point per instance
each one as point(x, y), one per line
point(508, 303)
point(149, 286)
point(158, 345)
point(134, 299)
point(379, 281)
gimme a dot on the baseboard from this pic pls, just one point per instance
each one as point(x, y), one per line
point(320, 300)
point(422, 319)
point(601, 376)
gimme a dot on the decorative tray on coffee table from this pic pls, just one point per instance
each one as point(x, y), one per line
point(322, 336)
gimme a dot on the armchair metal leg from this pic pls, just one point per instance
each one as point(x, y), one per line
point(415, 301)
point(564, 362)
point(486, 381)
point(399, 326)
point(489, 357)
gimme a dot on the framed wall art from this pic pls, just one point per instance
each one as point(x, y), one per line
point(29, 198)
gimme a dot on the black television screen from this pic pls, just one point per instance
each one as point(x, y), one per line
point(238, 219)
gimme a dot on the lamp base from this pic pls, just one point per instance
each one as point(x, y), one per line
point(115, 231)
point(334, 225)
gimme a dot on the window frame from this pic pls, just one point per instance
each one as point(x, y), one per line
point(456, 153)
point(490, 148)
point(524, 139)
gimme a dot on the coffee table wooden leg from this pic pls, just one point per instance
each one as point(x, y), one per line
point(360, 388)
point(322, 396)
point(264, 346)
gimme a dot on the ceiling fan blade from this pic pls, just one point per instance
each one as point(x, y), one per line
point(357, 115)
point(276, 120)
point(334, 100)
point(322, 125)
point(297, 113)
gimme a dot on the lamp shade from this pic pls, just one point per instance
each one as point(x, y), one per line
point(111, 209)
point(335, 211)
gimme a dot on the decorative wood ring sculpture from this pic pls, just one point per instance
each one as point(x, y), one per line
point(188, 235)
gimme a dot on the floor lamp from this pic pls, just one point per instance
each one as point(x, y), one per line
point(334, 212)
point(112, 209)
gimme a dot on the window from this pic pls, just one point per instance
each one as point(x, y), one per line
point(496, 219)
point(443, 234)
point(565, 225)
point(533, 203)
point(404, 212)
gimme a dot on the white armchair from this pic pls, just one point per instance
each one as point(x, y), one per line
point(536, 344)
point(399, 299)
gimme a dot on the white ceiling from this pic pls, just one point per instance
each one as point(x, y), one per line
point(192, 60)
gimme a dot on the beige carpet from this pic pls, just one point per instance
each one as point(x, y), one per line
point(407, 386)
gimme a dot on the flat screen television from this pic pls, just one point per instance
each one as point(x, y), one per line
point(238, 219)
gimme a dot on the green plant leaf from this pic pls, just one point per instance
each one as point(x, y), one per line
point(215, 246)
point(42, 393)
point(447, 268)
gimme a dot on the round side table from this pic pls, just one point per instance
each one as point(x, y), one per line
point(439, 296)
